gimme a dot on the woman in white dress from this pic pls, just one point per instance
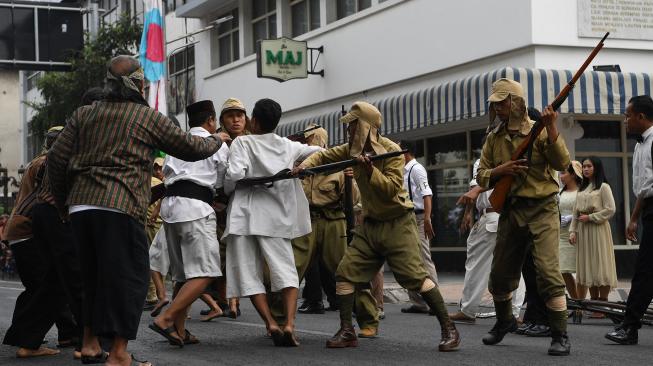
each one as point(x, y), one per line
point(571, 180)
point(590, 230)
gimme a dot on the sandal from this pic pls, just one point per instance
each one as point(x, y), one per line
point(99, 358)
point(277, 337)
point(157, 309)
point(289, 339)
point(167, 334)
point(212, 315)
point(189, 338)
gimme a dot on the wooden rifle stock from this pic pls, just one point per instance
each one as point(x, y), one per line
point(502, 187)
point(348, 203)
point(300, 136)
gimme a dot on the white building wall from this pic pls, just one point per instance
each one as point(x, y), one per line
point(10, 122)
point(390, 42)
point(403, 45)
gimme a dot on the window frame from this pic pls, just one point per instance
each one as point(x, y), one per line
point(265, 17)
point(234, 39)
point(173, 75)
point(307, 16)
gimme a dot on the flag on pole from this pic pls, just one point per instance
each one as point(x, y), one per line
point(153, 54)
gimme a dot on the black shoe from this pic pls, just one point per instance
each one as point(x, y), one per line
point(623, 335)
point(333, 307)
point(313, 308)
point(523, 328)
point(499, 330)
point(560, 345)
point(414, 309)
point(206, 312)
point(538, 330)
point(305, 304)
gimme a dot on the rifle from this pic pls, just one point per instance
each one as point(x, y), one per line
point(348, 201)
point(326, 168)
point(300, 136)
point(502, 187)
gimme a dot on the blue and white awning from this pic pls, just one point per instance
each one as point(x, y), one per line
point(595, 93)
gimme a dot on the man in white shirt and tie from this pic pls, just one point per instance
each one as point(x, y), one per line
point(639, 120)
point(417, 184)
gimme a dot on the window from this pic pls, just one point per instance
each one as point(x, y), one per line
point(447, 149)
point(181, 83)
point(305, 16)
point(224, 41)
point(600, 136)
point(264, 20)
point(172, 5)
point(345, 8)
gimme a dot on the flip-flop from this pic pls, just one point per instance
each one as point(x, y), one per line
point(277, 337)
point(289, 339)
point(167, 334)
point(189, 338)
point(137, 362)
point(99, 358)
point(157, 309)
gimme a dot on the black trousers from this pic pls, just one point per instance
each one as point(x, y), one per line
point(42, 303)
point(115, 271)
point(57, 237)
point(535, 306)
point(641, 290)
point(317, 277)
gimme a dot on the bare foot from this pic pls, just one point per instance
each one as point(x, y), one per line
point(125, 360)
point(215, 313)
point(41, 351)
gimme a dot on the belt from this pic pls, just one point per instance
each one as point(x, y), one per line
point(188, 189)
point(419, 212)
point(487, 211)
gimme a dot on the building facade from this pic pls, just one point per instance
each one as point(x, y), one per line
point(428, 66)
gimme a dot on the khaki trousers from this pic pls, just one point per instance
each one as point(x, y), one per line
point(425, 252)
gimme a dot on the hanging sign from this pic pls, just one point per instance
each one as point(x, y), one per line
point(281, 59)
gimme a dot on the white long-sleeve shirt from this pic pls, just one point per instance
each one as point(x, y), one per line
point(206, 173)
point(419, 183)
point(279, 211)
point(643, 166)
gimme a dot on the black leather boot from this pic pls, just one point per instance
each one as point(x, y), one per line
point(623, 335)
point(560, 345)
point(499, 330)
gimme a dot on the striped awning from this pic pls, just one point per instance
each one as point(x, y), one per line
point(594, 93)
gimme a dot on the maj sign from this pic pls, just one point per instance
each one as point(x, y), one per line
point(281, 59)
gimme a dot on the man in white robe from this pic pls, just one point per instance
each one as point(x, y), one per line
point(262, 219)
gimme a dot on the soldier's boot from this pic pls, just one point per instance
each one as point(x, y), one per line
point(346, 335)
point(560, 345)
point(450, 337)
point(506, 323)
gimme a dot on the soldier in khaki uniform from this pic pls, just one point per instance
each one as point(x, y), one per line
point(328, 240)
point(530, 213)
point(233, 121)
point(389, 230)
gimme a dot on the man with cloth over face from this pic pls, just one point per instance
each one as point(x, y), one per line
point(530, 213)
point(328, 239)
point(389, 230)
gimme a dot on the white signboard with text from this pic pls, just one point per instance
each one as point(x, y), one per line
point(281, 59)
point(624, 19)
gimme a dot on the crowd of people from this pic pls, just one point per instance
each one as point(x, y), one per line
point(102, 219)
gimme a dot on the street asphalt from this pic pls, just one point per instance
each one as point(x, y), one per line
point(404, 339)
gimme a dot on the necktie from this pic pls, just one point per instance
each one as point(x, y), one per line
point(639, 139)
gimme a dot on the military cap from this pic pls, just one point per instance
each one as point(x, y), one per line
point(232, 104)
point(502, 88)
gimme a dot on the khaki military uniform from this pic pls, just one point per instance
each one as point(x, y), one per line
point(389, 230)
point(530, 214)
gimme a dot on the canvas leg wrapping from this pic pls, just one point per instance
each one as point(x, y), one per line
point(557, 314)
point(344, 288)
point(433, 298)
point(558, 303)
point(427, 285)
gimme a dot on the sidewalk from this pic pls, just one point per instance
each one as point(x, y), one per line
point(451, 287)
